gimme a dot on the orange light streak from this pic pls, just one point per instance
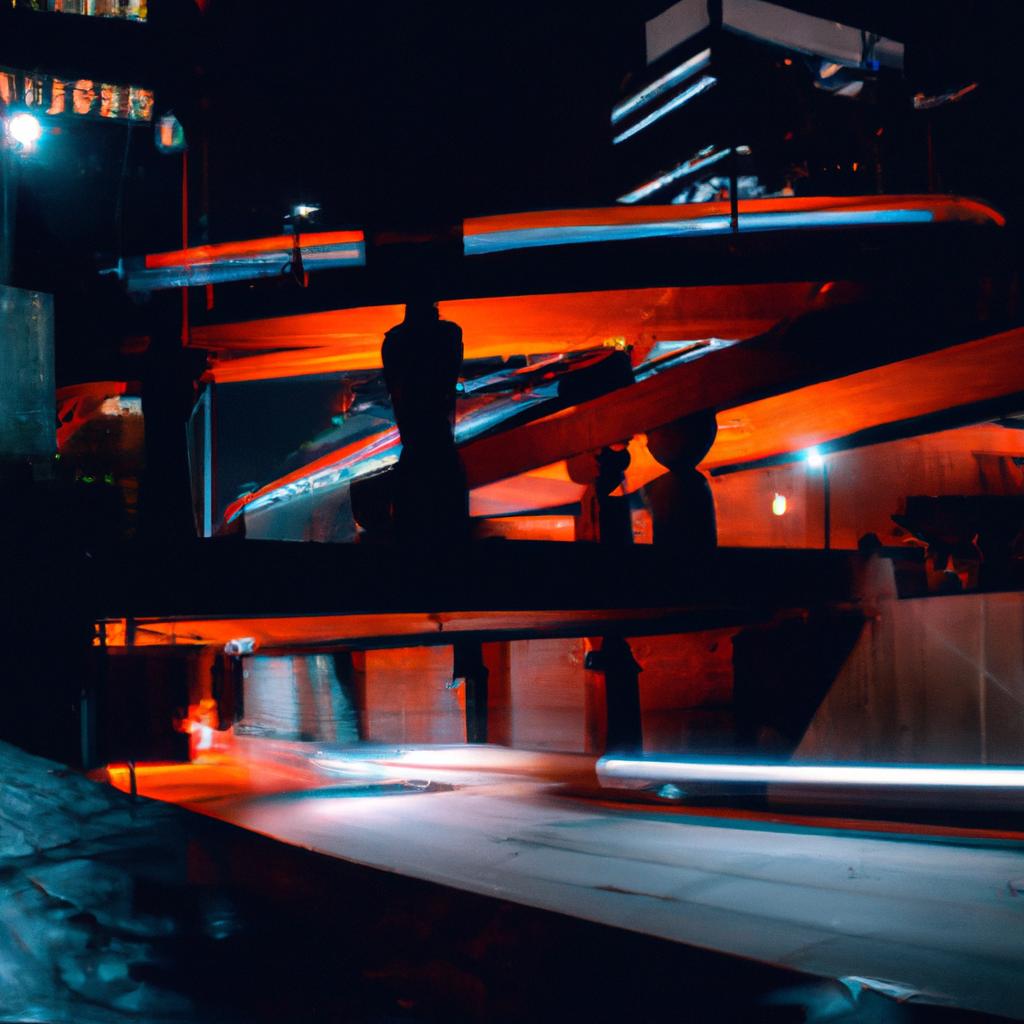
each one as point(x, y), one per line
point(249, 247)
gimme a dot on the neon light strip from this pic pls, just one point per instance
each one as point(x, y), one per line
point(320, 241)
point(244, 267)
point(813, 774)
point(696, 163)
point(530, 238)
point(702, 85)
point(657, 87)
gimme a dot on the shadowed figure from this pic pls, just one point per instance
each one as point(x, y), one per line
point(422, 357)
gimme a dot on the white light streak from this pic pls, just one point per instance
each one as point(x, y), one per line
point(959, 777)
point(701, 85)
point(660, 85)
point(705, 158)
point(713, 224)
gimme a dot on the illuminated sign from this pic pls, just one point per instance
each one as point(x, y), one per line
point(78, 97)
point(131, 10)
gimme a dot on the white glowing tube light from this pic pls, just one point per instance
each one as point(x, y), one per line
point(701, 85)
point(661, 85)
point(960, 777)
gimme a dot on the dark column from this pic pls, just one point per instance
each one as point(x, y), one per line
point(165, 506)
point(468, 664)
point(682, 508)
point(622, 694)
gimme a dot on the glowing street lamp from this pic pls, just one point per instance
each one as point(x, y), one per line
point(814, 458)
point(24, 130)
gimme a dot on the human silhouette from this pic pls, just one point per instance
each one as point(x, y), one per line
point(422, 357)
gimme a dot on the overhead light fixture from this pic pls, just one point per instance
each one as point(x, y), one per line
point(814, 458)
point(704, 83)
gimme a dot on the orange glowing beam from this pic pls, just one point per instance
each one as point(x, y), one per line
point(978, 371)
point(520, 324)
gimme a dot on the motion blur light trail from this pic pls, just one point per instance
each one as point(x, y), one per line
point(980, 777)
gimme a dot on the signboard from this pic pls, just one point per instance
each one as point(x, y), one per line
point(131, 10)
point(79, 97)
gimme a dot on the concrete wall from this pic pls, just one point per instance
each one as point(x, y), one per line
point(405, 696)
point(686, 689)
point(540, 696)
point(867, 486)
point(932, 679)
point(296, 697)
point(555, 703)
point(27, 395)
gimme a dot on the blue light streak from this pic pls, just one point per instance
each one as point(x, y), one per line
point(696, 163)
point(245, 268)
point(714, 224)
point(959, 777)
point(386, 450)
point(701, 85)
point(661, 85)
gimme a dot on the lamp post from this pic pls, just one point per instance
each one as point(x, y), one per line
point(816, 460)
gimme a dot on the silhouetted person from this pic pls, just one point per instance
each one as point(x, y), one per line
point(422, 357)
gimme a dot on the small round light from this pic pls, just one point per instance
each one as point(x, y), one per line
point(815, 460)
point(779, 505)
point(24, 129)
